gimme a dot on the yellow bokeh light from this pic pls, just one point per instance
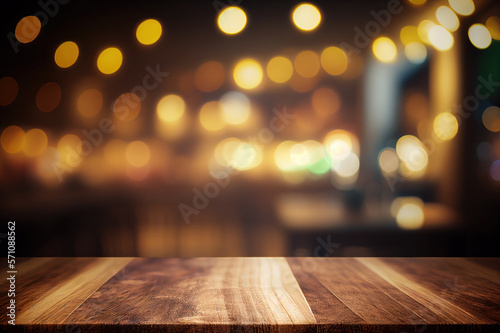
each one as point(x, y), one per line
point(66, 54)
point(27, 29)
point(70, 150)
point(408, 212)
point(127, 107)
point(339, 144)
point(109, 60)
point(225, 149)
point(148, 32)
point(445, 126)
point(493, 25)
point(89, 102)
point(245, 156)
point(170, 108)
point(8, 90)
point(235, 107)
point(462, 7)
point(247, 74)
point(209, 76)
point(306, 16)
point(137, 153)
point(416, 52)
point(325, 101)
point(388, 160)
point(35, 142)
point(417, 2)
point(423, 30)
point(412, 152)
point(384, 49)
point(283, 156)
point(334, 60)
point(479, 36)
point(232, 20)
point(440, 38)
point(12, 139)
point(491, 118)
point(347, 167)
point(447, 18)
point(279, 69)
point(409, 34)
point(211, 116)
point(307, 64)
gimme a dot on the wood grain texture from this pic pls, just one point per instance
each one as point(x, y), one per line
point(257, 295)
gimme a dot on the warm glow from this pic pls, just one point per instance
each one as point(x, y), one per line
point(209, 76)
point(339, 144)
point(479, 36)
point(89, 102)
point(70, 150)
point(137, 153)
point(409, 212)
point(232, 20)
point(247, 74)
point(307, 64)
point(445, 126)
point(127, 107)
point(447, 18)
point(388, 160)
point(12, 139)
point(306, 16)
point(416, 52)
point(211, 116)
point(170, 108)
point(334, 60)
point(325, 101)
point(35, 142)
point(409, 34)
point(8, 90)
point(27, 29)
point(48, 97)
point(462, 7)
point(384, 49)
point(440, 38)
point(423, 30)
point(412, 152)
point(109, 60)
point(148, 32)
point(235, 107)
point(491, 118)
point(279, 69)
point(493, 25)
point(283, 156)
point(347, 167)
point(66, 54)
point(245, 156)
point(417, 2)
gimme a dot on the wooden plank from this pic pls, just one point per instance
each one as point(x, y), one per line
point(209, 293)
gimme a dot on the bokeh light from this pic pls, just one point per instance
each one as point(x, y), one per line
point(211, 116)
point(408, 212)
point(12, 139)
point(491, 118)
point(447, 18)
point(245, 156)
point(232, 20)
point(170, 108)
point(279, 69)
point(334, 60)
point(247, 74)
point(412, 152)
point(8, 90)
point(384, 49)
point(235, 107)
point(388, 160)
point(209, 76)
point(417, 2)
point(306, 17)
point(479, 36)
point(307, 64)
point(445, 126)
point(89, 102)
point(283, 156)
point(109, 60)
point(325, 101)
point(137, 153)
point(440, 38)
point(409, 34)
point(416, 52)
point(462, 7)
point(35, 142)
point(66, 54)
point(48, 97)
point(148, 32)
point(127, 107)
point(493, 25)
point(27, 29)
point(423, 29)
point(70, 150)
point(348, 166)
point(339, 144)
point(495, 170)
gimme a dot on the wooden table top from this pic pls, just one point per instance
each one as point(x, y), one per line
point(255, 294)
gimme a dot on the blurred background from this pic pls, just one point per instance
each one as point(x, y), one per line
point(251, 128)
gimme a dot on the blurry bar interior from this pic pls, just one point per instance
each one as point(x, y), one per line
point(251, 128)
